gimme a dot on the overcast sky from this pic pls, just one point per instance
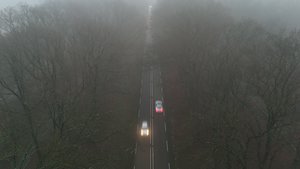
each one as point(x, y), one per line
point(6, 3)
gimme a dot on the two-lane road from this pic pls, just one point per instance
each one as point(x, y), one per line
point(151, 151)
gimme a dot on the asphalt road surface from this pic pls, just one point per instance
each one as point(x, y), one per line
point(151, 151)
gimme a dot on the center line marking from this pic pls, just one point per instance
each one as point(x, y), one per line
point(167, 145)
point(151, 121)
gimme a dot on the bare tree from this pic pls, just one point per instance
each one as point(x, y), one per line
point(237, 82)
point(63, 62)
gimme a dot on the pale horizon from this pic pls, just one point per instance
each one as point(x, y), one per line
point(11, 3)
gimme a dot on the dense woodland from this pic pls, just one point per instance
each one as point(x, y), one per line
point(69, 84)
point(231, 88)
point(70, 77)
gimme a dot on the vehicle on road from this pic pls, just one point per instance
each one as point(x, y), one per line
point(158, 106)
point(144, 129)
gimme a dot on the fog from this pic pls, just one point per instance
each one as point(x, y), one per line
point(217, 81)
point(275, 14)
point(11, 3)
point(270, 13)
point(225, 70)
point(90, 51)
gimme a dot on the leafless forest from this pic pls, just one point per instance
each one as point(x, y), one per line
point(70, 74)
point(231, 86)
point(69, 81)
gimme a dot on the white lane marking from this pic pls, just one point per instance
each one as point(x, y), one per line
point(152, 84)
point(140, 100)
point(137, 129)
point(162, 98)
point(165, 127)
point(134, 167)
point(150, 159)
point(169, 166)
point(151, 124)
point(151, 132)
point(161, 90)
point(151, 102)
point(167, 145)
point(135, 148)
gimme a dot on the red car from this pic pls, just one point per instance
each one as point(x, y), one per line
point(158, 107)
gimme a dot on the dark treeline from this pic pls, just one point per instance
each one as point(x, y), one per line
point(231, 88)
point(69, 80)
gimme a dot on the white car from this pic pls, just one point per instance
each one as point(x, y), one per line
point(144, 129)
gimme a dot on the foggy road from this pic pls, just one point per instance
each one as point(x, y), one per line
point(151, 152)
point(149, 84)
